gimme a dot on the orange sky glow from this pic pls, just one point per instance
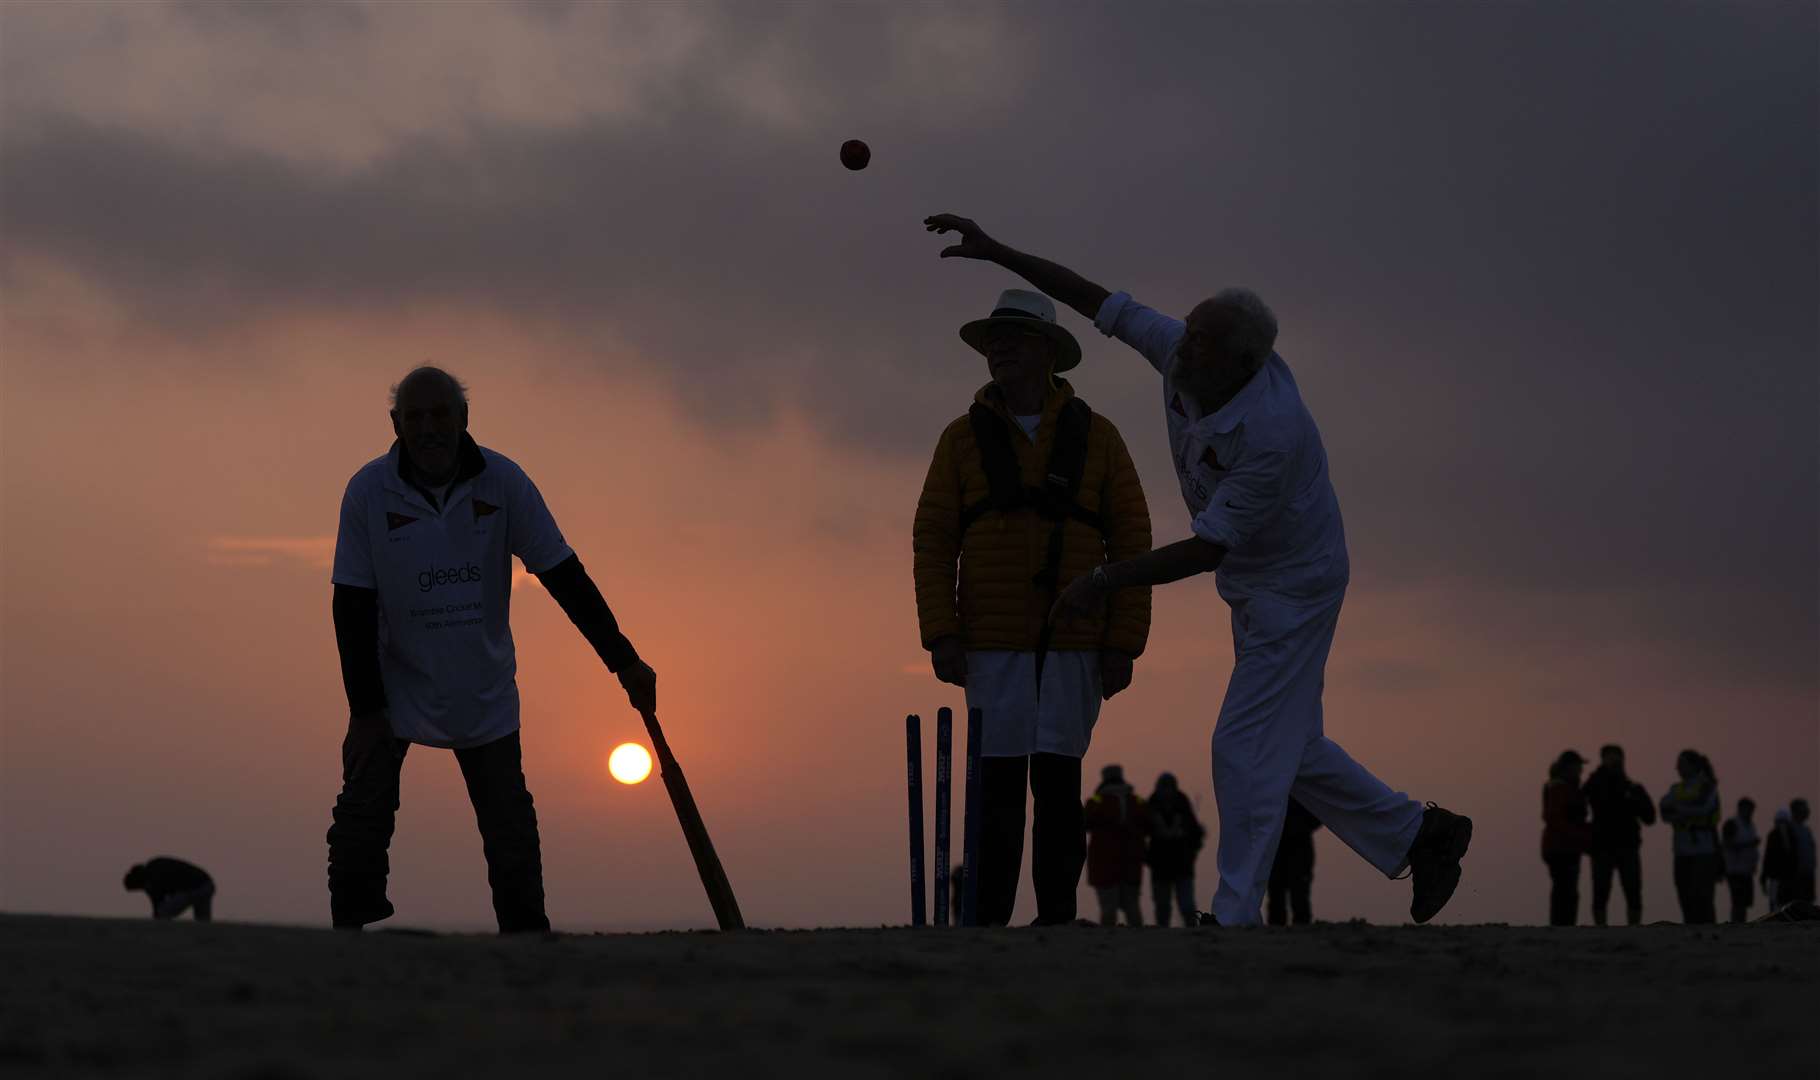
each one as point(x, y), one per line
point(724, 361)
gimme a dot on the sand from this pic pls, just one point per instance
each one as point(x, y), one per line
point(117, 998)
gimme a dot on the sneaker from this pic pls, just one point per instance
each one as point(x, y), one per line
point(1434, 860)
point(1202, 918)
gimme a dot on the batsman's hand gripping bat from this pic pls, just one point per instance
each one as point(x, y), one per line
point(707, 864)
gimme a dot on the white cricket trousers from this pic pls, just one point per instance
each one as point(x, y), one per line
point(1268, 744)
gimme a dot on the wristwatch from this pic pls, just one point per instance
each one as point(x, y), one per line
point(1098, 579)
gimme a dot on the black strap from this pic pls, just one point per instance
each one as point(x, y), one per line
point(1054, 500)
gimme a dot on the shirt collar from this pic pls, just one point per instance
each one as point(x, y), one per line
point(1230, 415)
point(469, 463)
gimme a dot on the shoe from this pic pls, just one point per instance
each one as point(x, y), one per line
point(356, 918)
point(1202, 918)
point(1434, 860)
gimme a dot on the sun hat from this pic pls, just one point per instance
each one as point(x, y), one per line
point(1026, 310)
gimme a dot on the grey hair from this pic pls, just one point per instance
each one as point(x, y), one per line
point(1247, 326)
point(427, 371)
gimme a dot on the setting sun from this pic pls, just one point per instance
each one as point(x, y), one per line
point(629, 763)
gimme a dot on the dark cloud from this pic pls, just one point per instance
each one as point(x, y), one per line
point(1549, 272)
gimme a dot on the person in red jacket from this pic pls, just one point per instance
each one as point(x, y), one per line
point(1565, 836)
point(1117, 822)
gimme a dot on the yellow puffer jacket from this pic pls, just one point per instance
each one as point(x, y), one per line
point(996, 605)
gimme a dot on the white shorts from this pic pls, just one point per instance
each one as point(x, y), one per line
point(1015, 721)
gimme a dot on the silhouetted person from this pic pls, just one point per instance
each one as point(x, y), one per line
point(173, 886)
point(1779, 861)
point(424, 553)
point(1176, 835)
point(1691, 807)
point(1565, 837)
point(1116, 821)
point(1740, 841)
point(1801, 884)
point(1620, 807)
point(1028, 489)
point(1266, 521)
point(1292, 874)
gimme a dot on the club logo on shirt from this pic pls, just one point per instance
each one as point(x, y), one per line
point(394, 522)
point(448, 575)
point(482, 508)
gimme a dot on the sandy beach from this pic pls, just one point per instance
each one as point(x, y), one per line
point(95, 997)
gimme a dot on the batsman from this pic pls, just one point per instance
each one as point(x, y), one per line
point(423, 589)
point(1266, 523)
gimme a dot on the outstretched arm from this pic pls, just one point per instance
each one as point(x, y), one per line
point(1052, 279)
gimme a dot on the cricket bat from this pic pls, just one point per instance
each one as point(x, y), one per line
point(707, 864)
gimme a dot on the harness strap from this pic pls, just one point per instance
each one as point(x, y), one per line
point(1054, 500)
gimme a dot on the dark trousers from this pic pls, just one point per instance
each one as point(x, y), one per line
point(1564, 888)
point(1694, 885)
point(366, 810)
point(1057, 835)
point(1629, 866)
point(1181, 890)
point(1743, 895)
point(1288, 894)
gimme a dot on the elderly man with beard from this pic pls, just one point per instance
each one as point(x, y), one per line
point(1026, 491)
point(1265, 518)
point(423, 579)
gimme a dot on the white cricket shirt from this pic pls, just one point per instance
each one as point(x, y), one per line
point(444, 579)
point(1254, 474)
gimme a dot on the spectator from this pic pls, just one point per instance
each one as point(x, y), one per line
point(1620, 807)
point(1292, 873)
point(1565, 836)
point(1779, 862)
point(1739, 840)
point(1692, 808)
point(1801, 884)
point(1175, 840)
point(1116, 823)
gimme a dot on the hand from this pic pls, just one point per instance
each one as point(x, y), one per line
point(640, 683)
point(949, 660)
point(975, 244)
point(1080, 600)
point(369, 732)
point(1115, 673)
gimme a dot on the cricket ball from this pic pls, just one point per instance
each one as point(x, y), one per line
point(855, 154)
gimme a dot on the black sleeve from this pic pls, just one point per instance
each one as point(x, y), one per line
point(587, 609)
point(357, 639)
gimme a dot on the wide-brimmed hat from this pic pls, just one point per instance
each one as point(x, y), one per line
point(1027, 310)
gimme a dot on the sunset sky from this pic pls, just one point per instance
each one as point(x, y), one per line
point(1547, 274)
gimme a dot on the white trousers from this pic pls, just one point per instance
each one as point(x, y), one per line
point(1018, 720)
point(1268, 744)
